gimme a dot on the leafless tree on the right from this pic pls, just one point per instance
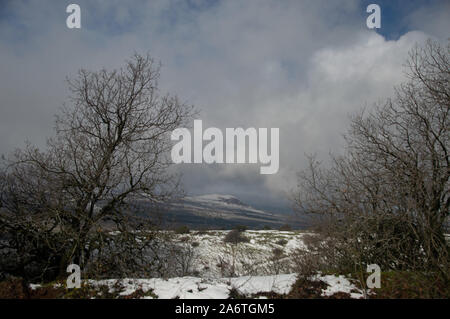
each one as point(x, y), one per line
point(387, 199)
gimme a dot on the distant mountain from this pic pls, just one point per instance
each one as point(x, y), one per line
point(217, 211)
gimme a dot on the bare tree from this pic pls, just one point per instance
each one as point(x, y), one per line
point(110, 148)
point(387, 199)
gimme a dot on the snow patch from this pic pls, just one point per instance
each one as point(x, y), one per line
point(339, 284)
point(198, 288)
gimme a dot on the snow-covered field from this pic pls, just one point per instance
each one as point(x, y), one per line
point(267, 252)
point(215, 269)
point(200, 288)
point(264, 264)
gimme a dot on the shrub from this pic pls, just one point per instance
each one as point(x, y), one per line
point(182, 230)
point(277, 253)
point(234, 237)
point(277, 263)
point(14, 288)
point(234, 293)
point(320, 254)
point(411, 284)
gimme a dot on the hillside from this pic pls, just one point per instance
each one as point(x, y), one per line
point(218, 211)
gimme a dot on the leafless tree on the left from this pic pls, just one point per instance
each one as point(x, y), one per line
point(110, 148)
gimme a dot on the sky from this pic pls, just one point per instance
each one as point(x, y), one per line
point(300, 66)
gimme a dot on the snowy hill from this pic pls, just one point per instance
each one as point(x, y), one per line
point(222, 211)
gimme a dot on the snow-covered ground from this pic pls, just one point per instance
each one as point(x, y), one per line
point(213, 258)
point(216, 269)
point(200, 288)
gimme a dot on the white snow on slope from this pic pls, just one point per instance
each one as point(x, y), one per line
point(250, 258)
point(198, 288)
point(218, 202)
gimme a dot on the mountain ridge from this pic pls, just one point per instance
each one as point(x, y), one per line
point(221, 211)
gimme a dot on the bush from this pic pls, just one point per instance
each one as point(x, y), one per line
point(409, 285)
point(319, 255)
point(306, 288)
point(182, 230)
point(14, 288)
point(234, 237)
point(282, 242)
point(277, 253)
